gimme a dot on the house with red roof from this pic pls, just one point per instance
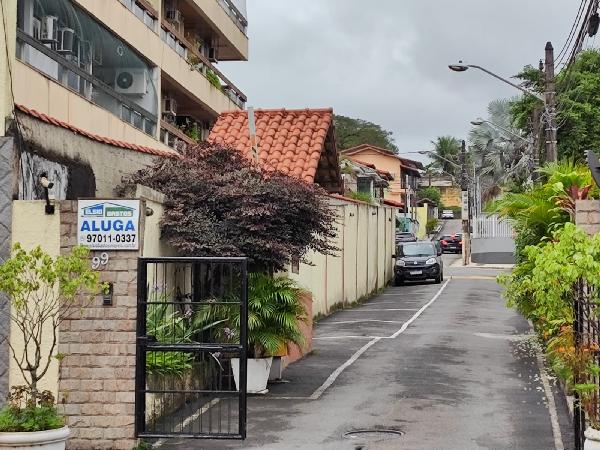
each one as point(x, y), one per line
point(297, 142)
point(405, 172)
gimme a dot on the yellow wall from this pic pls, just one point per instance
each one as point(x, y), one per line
point(32, 227)
point(364, 264)
point(390, 164)
point(422, 214)
point(450, 196)
point(6, 103)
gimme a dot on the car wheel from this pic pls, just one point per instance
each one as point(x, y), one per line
point(439, 279)
point(398, 281)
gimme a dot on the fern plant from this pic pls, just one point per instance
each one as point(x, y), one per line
point(275, 311)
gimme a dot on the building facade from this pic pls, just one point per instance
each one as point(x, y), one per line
point(144, 71)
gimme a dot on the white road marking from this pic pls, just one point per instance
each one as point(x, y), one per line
point(359, 321)
point(378, 309)
point(558, 442)
point(350, 337)
point(337, 372)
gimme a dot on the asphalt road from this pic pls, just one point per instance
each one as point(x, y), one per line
point(448, 366)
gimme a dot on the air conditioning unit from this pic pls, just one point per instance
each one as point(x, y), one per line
point(131, 81)
point(169, 106)
point(49, 29)
point(66, 40)
point(212, 54)
point(175, 18)
point(36, 28)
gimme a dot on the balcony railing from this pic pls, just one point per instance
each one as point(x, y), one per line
point(185, 49)
point(235, 14)
point(78, 80)
point(173, 137)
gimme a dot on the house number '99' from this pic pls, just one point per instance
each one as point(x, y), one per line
point(98, 261)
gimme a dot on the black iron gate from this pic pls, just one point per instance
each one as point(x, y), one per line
point(191, 348)
point(586, 330)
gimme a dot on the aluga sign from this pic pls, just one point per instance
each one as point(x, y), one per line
point(108, 224)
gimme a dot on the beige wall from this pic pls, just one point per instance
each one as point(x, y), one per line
point(32, 227)
point(364, 264)
point(38, 92)
point(7, 41)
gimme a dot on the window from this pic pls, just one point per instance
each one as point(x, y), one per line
point(295, 265)
point(62, 41)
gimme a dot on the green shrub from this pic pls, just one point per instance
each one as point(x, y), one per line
point(25, 413)
point(361, 196)
point(431, 225)
point(213, 79)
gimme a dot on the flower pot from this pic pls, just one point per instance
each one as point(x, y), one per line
point(592, 439)
point(257, 374)
point(35, 440)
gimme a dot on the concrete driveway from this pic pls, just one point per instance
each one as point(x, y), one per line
point(449, 366)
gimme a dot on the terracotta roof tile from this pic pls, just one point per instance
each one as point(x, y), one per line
point(290, 141)
point(103, 139)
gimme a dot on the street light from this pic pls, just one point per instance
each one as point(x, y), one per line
point(461, 67)
point(480, 121)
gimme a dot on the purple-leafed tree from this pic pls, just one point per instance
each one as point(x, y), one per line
point(220, 204)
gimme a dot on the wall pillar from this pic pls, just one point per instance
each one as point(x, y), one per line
point(6, 194)
point(97, 375)
point(587, 216)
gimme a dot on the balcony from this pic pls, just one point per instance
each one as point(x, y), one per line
point(218, 24)
point(190, 47)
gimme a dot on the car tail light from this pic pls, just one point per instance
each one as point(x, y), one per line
point(460, 243)
point(443, 243)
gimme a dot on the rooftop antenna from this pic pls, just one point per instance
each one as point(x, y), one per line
point(252, 129)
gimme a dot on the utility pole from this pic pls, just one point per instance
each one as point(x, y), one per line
point(464, 187)
point(551, 128)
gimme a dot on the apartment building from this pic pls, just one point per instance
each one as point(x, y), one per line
point(139, 76)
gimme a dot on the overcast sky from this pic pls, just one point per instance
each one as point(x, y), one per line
point(386, 60)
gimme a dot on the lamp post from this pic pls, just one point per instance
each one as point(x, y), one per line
point(480, 121)
point(461, 67)
point(547, 100)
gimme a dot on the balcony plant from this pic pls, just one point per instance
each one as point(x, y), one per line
point(43, 291)
point(275, 311)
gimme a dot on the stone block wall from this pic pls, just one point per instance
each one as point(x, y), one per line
point(6, 194)
point(587, 215)
point(97, 374)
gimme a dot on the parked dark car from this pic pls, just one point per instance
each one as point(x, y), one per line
point(405, 237)
point(418, 261)
point(451, 243)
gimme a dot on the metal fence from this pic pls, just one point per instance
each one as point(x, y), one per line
point(492, 227)
point(586, 328)
point(191, 348)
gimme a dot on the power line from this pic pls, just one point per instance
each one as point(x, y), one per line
point(571, 35)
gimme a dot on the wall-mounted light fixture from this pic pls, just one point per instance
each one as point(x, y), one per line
point(46, 185)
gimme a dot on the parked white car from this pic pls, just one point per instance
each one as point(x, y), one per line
point(447, 214)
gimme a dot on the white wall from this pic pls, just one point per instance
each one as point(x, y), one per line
point(365, 237)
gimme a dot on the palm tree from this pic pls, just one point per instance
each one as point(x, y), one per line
point(499, 157)
point(446, 147)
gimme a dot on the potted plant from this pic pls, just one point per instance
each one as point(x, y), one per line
point(42, 291)
point(589, 403)
point(275, 311)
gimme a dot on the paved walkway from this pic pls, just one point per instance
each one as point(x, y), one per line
point(449, 366)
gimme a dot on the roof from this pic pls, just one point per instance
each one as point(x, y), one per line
point(426, 200)
point(290, 141)
point(105, 140)
point(393, 203)
point(407, 164)
point(382, 173)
